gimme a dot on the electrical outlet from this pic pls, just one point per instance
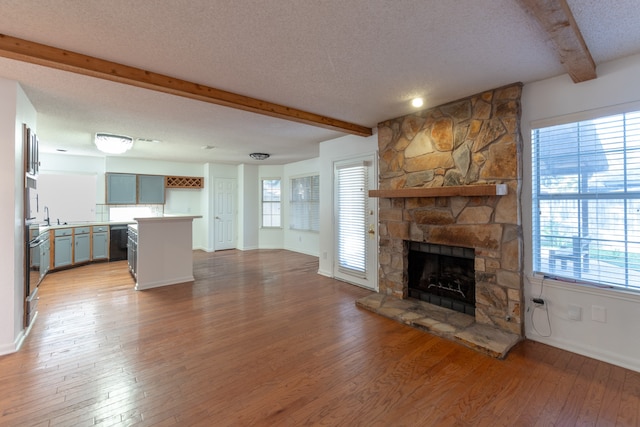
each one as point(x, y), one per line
point(574, 312)
point(598, 313)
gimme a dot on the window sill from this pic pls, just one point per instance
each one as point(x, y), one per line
point(606, 291)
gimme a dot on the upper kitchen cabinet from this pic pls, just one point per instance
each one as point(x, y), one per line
point(121, 189)
point(150, 189)
point(131, 189)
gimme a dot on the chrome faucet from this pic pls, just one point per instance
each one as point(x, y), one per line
point(47, 219)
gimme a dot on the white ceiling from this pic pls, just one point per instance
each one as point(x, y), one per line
point(359, 61)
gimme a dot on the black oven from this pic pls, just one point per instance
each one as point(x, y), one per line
point(32, 270)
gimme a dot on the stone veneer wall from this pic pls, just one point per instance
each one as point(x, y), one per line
point(475, 140)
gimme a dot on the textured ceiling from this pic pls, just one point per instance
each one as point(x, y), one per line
point(359, 60)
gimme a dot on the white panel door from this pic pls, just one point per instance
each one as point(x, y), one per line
point(355, 223)
point(225, 213)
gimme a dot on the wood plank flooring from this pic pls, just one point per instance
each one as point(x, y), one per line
point(260, 339)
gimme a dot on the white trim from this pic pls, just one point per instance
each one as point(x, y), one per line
point(159, 283)
point(580, 116)
point(589, 351)
point(586, 288)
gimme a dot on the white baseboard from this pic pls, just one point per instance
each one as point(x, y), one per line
point(175, 281)
point(594, 353)
point(325, 273)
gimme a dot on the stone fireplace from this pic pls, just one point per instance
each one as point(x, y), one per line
point(459, 146)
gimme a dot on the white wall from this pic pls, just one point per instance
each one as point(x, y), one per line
point(248, 207)
point(15, 109)
point(69, 164)
point(330, 152)
point(616, 340)
point(66, 197)
point(306, 242)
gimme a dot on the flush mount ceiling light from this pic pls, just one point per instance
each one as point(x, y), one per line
point(417, 102)
point(259, 156)
point(113, 144)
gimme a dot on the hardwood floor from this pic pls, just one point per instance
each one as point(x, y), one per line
point(261, 339)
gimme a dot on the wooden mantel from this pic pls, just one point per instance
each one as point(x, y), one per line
point(451, 191)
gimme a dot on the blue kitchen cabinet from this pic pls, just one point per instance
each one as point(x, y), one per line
point(121, 189)
point(100, 242)
point(82, 242)
point(63, 247)
point(150, 189)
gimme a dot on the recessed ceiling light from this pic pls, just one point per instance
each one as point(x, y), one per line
point(417, 102)
point(149, 141)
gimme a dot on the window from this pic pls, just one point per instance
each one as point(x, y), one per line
point(305, 203)
point(271, 203)
point(586, 200)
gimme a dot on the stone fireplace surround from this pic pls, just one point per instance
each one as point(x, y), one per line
point(468, 142)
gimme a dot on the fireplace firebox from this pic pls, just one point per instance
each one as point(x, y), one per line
point(442, 275)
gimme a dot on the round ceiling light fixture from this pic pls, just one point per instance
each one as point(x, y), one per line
point(113, 144)
point(259, 156)
point(417, 102)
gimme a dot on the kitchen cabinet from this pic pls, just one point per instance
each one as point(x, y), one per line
point(163, 252)
point(132, 250)
point(121, 189)
point(100, 242)
point(45, 260)
point(82, 243)
point(151, 189)
point(130, 189)
point(62, 247)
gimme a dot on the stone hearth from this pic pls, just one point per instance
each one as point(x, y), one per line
point(469, 142)
point(449, 324)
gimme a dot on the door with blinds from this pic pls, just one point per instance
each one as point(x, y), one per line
point(355, 223)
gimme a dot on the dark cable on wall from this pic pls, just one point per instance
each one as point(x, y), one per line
point(540, 303)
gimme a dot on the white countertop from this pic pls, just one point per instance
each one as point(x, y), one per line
point(167, 217)
point(44, 228)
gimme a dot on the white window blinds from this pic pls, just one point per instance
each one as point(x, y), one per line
point(586, 200)
point(352, 201)
point(305, 203)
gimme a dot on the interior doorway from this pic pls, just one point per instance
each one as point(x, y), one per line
point(224, 220)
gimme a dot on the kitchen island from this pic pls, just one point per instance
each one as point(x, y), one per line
point(163, 251)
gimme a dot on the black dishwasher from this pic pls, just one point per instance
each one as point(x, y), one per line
point(118, 246)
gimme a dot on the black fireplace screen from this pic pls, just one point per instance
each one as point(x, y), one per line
point(443, 275)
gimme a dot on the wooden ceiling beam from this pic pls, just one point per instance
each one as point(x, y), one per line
point(557, 21)
point(48, 56)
